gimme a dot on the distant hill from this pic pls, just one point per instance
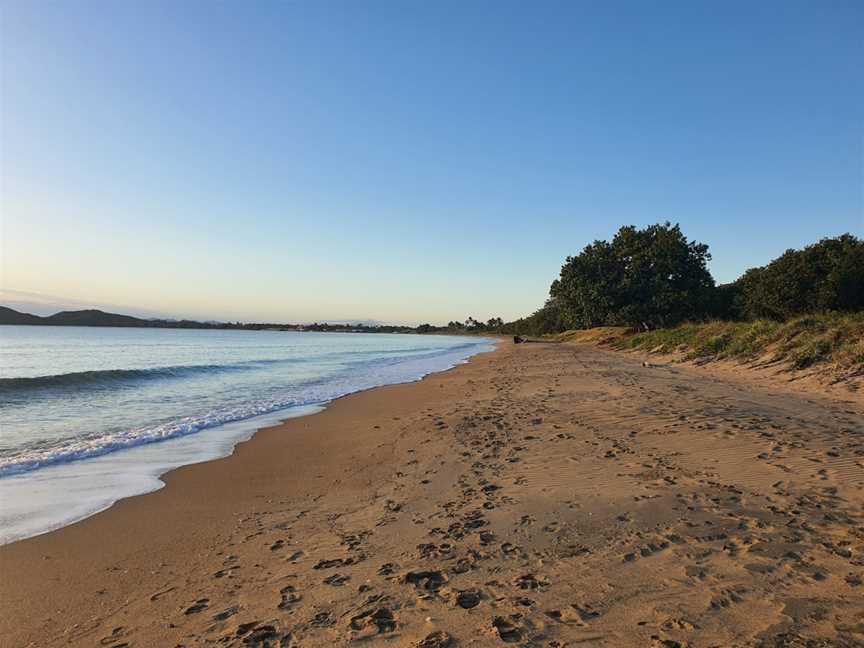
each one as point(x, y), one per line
point(10, 316)
point(93, 317)
point(90, 317)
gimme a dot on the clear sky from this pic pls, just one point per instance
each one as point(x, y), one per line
point(410, 161)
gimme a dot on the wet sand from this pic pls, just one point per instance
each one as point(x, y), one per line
point(541, 495)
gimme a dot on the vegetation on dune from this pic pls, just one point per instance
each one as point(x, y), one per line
point(802, 342)
point(826, 276)
point(805, 307)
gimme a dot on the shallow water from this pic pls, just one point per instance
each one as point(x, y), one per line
point(90, 415)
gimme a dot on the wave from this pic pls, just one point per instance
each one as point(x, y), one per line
point(408, 352)
point(87, 447)
point(372, 358)
point(355, 377)
point(107, 377)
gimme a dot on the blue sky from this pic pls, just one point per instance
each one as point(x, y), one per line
point(408, 161)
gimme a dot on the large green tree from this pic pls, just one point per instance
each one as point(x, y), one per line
point(647, 278)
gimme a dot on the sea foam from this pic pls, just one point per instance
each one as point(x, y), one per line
point(87, 455)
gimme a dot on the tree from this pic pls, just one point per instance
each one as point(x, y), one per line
point(828, 275)
point(666, 277)
point(541, 322)
point(589, 290)
point(494, 323)
point(648, 278)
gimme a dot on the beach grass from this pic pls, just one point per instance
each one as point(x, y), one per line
point(802, 342)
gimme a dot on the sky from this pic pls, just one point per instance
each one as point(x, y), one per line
point(410, 161)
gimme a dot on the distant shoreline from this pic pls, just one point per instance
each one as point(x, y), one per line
point(98, 318)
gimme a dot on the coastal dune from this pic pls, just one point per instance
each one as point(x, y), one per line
point(547, 495)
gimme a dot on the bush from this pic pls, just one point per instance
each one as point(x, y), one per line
point(825, 276)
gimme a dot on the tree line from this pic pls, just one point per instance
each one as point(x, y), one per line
point(655, 277)
point(93, 317)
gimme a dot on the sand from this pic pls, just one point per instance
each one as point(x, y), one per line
point(541, 495)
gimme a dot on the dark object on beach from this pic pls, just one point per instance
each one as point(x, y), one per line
point(518, 339)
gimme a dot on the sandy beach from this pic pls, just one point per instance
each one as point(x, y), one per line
point(540, 495)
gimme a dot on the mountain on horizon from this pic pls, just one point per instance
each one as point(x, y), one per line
point(96, 317)
point(12, 316)
point(87, 317)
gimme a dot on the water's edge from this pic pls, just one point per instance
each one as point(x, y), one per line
point(139, 470)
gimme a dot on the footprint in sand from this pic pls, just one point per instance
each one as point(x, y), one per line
point(327, 564)
point(380, 620)
point(322, 620)
point(387, 569)
point(261, 635)
point(531, 582)
point(428, 580)
point(227, 613)
point(290, 598)
point(468, 599)
point(199, 605)
point(337, 580)
point(507, 631)
point(116, 635)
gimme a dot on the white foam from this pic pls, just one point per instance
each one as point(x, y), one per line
point(42, 500)
point(365, 376)
point(83, 477)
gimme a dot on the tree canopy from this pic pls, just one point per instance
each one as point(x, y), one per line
point(647, 278)
point(828, 275)
point(655, 277)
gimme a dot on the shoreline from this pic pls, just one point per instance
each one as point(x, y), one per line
point(130, 519)
point(146, 464)
point(533, 493)
point(149, 464)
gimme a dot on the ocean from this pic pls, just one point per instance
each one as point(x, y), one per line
point(92, 415)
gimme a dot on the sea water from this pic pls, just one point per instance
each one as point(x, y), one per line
point(92, 415)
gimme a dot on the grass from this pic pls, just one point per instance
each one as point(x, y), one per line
point(599, 335)
point(802, 342)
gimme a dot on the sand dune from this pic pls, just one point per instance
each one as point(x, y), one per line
point(542, 495)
